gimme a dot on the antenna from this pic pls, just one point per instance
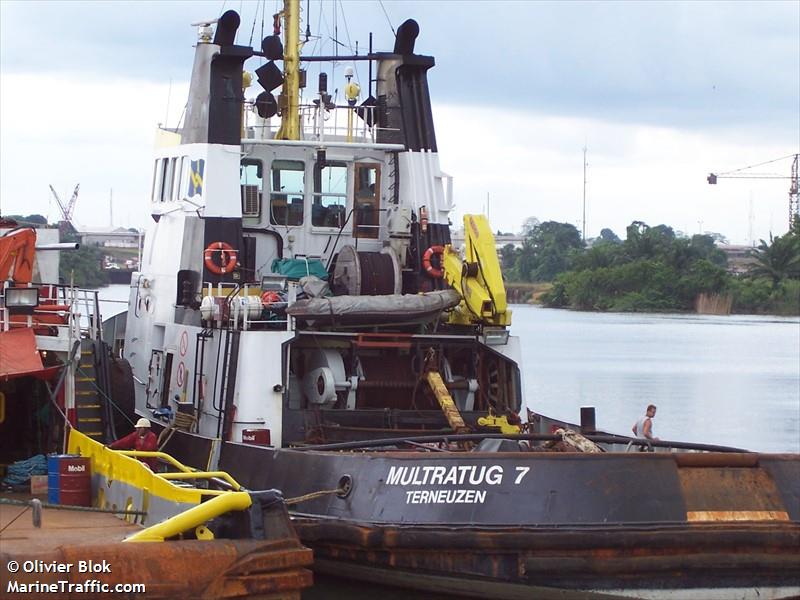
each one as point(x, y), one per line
point(583, 222)
point(111, 208)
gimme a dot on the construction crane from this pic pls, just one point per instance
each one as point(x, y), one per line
point(69, 207)
point(794, 188)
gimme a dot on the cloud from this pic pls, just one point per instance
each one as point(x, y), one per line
point(680, 64)
point(96, 133)
point(636, 172)
point(661, 92)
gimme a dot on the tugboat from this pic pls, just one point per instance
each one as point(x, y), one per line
point(302, 321)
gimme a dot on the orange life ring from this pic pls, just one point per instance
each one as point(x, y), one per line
point(227, 254)
point(426, 261)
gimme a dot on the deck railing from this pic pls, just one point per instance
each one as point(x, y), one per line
point(63, 314)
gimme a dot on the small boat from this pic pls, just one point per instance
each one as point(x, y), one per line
point(394, 409)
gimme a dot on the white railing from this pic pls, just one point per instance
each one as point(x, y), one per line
point(317, 125)
point(64, 314)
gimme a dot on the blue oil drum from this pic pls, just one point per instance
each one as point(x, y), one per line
point(69, 480)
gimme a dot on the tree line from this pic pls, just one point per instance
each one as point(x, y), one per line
point(652, 269)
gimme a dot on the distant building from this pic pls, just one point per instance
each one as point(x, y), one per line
point(739, 259)
point(500, 241)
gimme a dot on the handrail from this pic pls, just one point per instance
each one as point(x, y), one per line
point(193, 518)
point(162, 455)
point(69, 300)
point(203, 475)
point(185, 472)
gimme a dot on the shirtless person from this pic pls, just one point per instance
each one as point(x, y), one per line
point(643, 428)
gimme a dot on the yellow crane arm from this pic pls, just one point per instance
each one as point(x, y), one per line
point(478, 279)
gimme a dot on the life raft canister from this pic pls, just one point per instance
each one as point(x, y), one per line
point(426, 261)
point(227, 257)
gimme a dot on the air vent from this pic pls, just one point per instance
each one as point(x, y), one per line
point(251, 201)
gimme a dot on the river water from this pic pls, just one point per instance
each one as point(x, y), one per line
point(730, 380)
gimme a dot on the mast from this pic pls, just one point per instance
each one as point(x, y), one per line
point(583, 222)
point(290, 96)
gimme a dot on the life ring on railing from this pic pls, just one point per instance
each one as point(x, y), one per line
point(227, 257)
point(426, 261)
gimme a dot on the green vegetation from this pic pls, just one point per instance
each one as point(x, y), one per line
point(82, 267)
point(653, 270)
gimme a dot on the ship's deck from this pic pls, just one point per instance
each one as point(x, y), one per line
point(59, 528)
point(81, 553)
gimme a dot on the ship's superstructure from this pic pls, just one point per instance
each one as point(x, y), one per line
point(350, 193)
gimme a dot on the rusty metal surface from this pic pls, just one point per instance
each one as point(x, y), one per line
point(665, 558)
point(220, 568)
point(715, 459)
point(729, 488)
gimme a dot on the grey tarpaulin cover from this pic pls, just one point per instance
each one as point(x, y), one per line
point(374, 309)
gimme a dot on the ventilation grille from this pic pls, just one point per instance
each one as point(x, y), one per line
point(251, 201)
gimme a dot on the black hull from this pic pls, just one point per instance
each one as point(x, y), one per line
point(551, 524)
point(119, 276)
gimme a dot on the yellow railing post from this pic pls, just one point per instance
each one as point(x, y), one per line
point(193, 517)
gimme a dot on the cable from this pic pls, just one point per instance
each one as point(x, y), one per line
point(24, 510)
point(388, 20)
point(253, 28)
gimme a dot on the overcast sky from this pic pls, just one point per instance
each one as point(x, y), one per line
point(660, 93)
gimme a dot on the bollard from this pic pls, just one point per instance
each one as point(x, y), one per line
point(36, 512)
point(587, 419)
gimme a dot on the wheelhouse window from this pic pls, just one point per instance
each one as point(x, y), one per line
point(180, 177)
point(329, 206)
point(286, 192)
point(168, 167)
point(251, 180)
point(366, 217)
point(155, 193)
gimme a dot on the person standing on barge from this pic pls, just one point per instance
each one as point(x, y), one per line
point(142, 439)
point(643, 428)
